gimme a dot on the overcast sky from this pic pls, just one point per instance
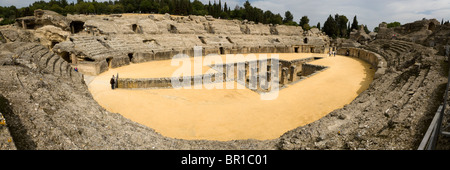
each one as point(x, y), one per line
point(369, 12)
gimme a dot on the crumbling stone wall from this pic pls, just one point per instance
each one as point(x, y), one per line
point(156, 37)
point(310, 69)
point(376, 60)
point(165, 82)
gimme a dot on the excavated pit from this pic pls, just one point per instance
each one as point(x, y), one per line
point(237, 113)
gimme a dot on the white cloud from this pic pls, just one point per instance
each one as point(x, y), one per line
point(18, 4)
point(368, 12)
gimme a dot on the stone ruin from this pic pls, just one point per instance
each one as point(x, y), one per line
point(360, 35)
point(95, 43)
point(428, 32)
point(47, 105)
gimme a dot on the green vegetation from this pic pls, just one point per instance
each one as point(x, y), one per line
point(304, 22)
point(175, 7)
point(338, 26)
point(393, 24)
point(389, 25)
point(334, 27)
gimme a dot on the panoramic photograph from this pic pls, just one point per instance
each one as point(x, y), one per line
point(224, 75)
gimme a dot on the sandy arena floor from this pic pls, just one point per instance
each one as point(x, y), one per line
point(232, 114)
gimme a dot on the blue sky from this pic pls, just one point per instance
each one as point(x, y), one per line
point(368, 12)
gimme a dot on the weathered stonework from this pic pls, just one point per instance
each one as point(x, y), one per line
point(47, 105)
point(154, 37)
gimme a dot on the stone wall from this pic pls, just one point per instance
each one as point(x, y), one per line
point(310, 69)
point(288, 72)
point(376, 60)
point(92, 68)
point(146, 38)
point(165, 82)
point(119, 61)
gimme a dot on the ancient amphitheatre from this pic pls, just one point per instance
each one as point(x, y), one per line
point(376, 93)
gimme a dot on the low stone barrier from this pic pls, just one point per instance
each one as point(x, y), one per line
point(165, 82)
point(376, 60)
point(310, 69)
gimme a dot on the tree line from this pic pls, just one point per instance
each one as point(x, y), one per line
point(337, 26)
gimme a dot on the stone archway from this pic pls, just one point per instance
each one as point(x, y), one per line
point(76, 26)
point(431, 26)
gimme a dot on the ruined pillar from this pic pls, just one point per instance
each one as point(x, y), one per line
point(283, 79)
point(73, 58)
point(247, 71)
point(292, 72)
point(268, 73)
point(253, 79)
point(24, 26)
point(280, 71)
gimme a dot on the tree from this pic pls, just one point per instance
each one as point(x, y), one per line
point(56, 8)
point(304, 23)
point(81, 8)
point(146, 6)
point(117, 8)
point(376, 29)
point(91, 9)
point(288, 17)
point(258, 15)
point(248, 11)
point(267, 16)
point(330, 27)
point(354, 24)
point(129, 8)
point(164, 9)
point(64, 3)
point(366, 29)
point(349, 29)
point(318, 25)
point(101, 8)
point(277, 19)
point(341, 21)
point(393, 24)
point(198, 8)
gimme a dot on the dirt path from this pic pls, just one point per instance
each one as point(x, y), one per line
point(231, 114)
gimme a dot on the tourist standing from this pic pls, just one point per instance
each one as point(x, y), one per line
point(112, 82)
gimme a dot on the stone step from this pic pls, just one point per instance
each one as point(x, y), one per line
point(406, 86)
point(37, 49)
point(63, 69)
point(418, 82)
point(398, 48)
point(391, 53)
point(27, 54)
point(51, 64)
point(396, 51)
point(38, 55)
point(44, 60)
point(400, 44)
point(403, 44)
point(57, 68)
point(68, 71)
point(76, 76)
point(24, 48)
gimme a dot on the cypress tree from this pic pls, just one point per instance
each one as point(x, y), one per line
point(355, 23)
point(330, 27)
